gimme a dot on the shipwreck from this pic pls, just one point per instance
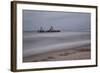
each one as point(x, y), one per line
point(49, 30)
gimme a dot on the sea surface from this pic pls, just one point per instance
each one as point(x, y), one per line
point(36, 43)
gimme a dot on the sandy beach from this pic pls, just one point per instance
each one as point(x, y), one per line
point(61, 55)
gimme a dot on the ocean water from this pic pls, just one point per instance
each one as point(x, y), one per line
point(36, 43)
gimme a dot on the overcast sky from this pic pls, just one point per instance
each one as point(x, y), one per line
point(64, 21)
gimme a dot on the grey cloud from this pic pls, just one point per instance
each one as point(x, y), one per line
point(65, 21)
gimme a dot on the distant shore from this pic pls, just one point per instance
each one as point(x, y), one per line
point(60, 55)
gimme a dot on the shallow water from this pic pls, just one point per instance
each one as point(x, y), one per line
point(35, 43)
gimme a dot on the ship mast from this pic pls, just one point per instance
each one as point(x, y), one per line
point(41, 29)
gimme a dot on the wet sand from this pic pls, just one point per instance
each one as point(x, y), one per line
point(61, 55)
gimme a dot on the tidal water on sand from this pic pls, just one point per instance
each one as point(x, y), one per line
point(36, 43)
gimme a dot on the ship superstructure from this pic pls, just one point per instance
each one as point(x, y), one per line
point(51, 29)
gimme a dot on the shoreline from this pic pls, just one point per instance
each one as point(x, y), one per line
point(59, 55)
